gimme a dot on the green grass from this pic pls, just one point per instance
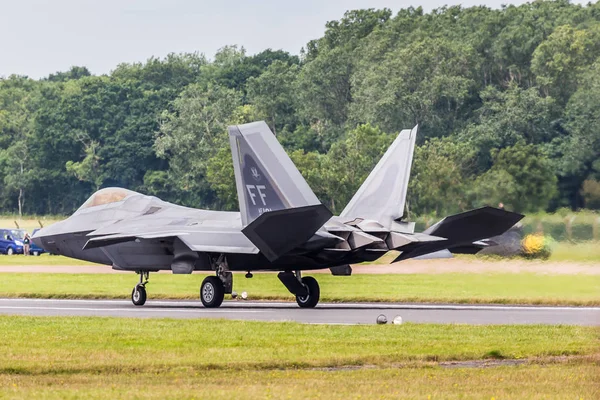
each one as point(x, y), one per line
point(581, 252)
point(579, 381)
point(521, 288)
point(161, 358)
point(47, 345)
point(43, 259)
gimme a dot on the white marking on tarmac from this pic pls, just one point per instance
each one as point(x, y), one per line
point(215, 311)
point(321, 305)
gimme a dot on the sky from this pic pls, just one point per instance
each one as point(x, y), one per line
point(41, 37)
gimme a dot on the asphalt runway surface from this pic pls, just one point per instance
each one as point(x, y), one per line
point(324, 313)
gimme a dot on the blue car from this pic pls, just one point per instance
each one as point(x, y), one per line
point(11, 241)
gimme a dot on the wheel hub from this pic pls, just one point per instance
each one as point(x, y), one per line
point(304, 299)
point(208, 292)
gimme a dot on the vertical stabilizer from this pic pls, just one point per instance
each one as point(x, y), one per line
point(266, 178)
point(382, 195)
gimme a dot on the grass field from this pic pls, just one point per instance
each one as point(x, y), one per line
point(521, 288)
point(161, 358)
point(44, 259)
point(581, 252)
point(571, 381)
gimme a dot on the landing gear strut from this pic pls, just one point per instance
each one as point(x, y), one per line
point(305, 289)
point(138, 295)
point(214, 288)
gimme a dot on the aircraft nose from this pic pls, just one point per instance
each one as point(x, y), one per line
point(44, 233)
point(37, 237)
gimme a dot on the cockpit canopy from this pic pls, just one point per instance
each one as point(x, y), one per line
point(106, 196)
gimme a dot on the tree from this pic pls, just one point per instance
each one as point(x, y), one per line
point(73, 73)
point(522, 178)
point(349, 162)
point(272, 93)
point(16, 96)
point(323, 87)
point(192, 134)
point(591, 193)
point(507, 117)
point(219, 167)
point(559, 60)
point(426, 83)
point(440, 176)
point(580, 151)
point(89, 169)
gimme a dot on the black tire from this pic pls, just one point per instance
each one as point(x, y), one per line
point(212, 292)
point(314, 293)
point(10, 251)
point(138, 295)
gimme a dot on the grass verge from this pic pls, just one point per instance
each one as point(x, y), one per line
point(580, 252)
point(522, 382)
point(162, 358)
point(44, 259)
point(47, 345)
point(521, 288)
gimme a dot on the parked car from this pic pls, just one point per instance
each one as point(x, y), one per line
point(34, 249)
point(11, 241)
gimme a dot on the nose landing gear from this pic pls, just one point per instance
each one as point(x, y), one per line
point(138, 294)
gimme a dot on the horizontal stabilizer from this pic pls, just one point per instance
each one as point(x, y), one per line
point(470, 226)
point(277, 232)
point(463, 231)
point(473, 248)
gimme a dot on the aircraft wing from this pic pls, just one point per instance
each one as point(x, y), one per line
point(196, 238)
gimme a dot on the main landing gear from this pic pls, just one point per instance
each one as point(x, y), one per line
point(138, 295)
point(214, 288)
point(305, 289)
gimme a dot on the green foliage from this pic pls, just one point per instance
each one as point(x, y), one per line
point(581, 149)
point(440, 177)
point(560, 58)
point(506, 117)
point(192, 134)
point(427, 82)
point(272, 93)
point(591, 194)
point(349, 162)
point(88, 170)
point(521, 178)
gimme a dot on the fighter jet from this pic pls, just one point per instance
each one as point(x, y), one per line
point(281, 226)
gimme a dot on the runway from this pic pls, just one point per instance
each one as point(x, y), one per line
point(325, 313)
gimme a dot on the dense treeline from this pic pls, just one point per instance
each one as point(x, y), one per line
point(507, 101)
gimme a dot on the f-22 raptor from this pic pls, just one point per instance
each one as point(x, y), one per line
point(281, 226)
